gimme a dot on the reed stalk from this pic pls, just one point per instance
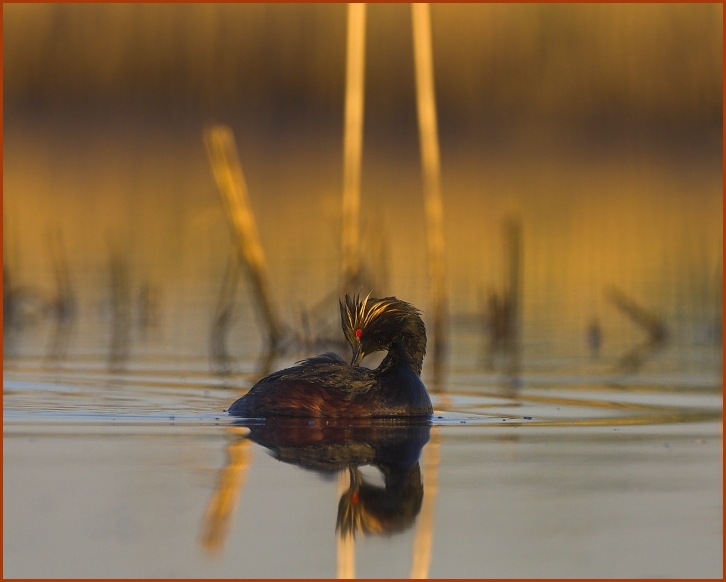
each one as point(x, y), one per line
point(431, 166)
point(121, 308)
point(63, 306)
point(232, 186)
point(345, 545)
point(424, 539)
point(633, 359)
point(230, 484)
point(223, 318)
point(513, 241)
point(513, 342)
point(353, 144)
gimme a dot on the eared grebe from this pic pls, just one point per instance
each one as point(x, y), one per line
point(327, 386)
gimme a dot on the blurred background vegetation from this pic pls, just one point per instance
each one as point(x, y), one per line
point(656, 65)
point(599, 125)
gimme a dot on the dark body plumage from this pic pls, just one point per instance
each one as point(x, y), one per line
point(327, 386)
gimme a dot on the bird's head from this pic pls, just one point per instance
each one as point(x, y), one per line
point(372, 325)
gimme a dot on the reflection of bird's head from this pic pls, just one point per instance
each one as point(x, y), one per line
point(371, 510)
point(372, 325)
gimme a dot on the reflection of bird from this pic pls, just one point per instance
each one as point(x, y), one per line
point(327, 447)
point(370, 509)
point(327, 386)
point(332, 445)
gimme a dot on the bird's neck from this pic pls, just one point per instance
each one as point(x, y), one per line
point(401, 355)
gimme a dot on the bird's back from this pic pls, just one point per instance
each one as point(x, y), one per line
point(321, 386)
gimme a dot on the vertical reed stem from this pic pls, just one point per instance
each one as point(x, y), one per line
point(424, 539)
point(353, 143)
point(345, 545)
point(431, 165)
point(513, 237)
point(223, 502)
point(513, 342)
point(230, 180)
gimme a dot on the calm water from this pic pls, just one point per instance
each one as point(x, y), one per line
point(123, 464)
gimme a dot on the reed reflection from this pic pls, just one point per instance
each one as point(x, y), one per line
point(329, 447)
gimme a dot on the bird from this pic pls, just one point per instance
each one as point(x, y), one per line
point(328, 386)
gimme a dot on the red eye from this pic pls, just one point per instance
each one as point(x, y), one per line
point(358, 333)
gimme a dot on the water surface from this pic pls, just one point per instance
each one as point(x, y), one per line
point(139, 472)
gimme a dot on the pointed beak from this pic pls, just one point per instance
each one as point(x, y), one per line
point(358, 354)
